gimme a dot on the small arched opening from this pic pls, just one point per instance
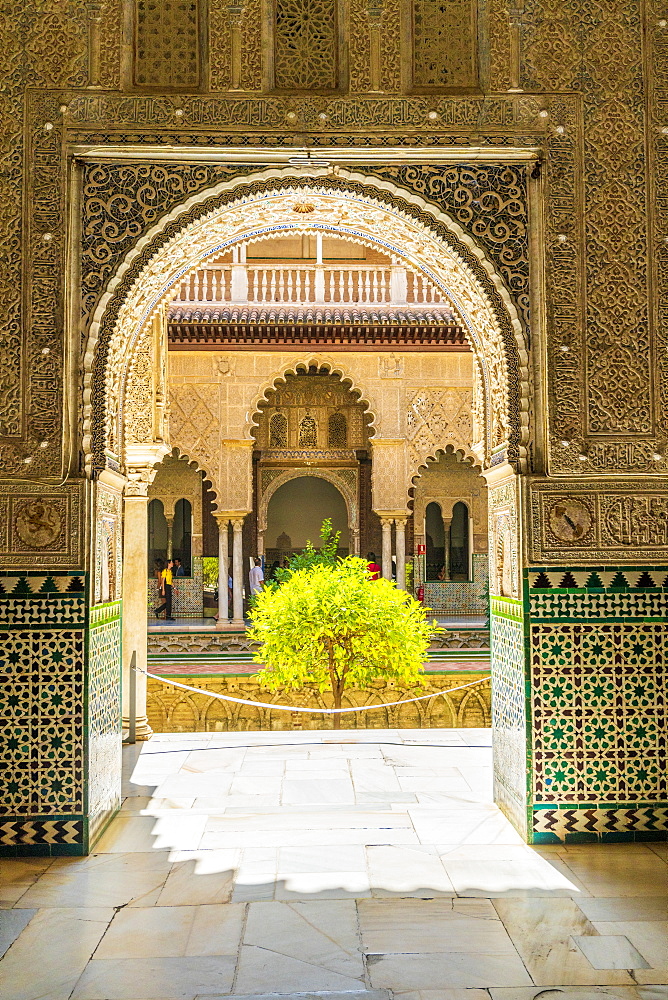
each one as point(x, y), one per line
point(295, 513)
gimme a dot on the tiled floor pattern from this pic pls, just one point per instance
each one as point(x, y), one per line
point(254, 863)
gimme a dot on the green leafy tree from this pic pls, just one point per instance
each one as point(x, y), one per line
point(326, 555)
point(329, 624)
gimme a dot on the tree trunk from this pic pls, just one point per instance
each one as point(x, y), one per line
point(336, 719)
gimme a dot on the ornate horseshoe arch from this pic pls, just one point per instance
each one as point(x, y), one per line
point(123, 351)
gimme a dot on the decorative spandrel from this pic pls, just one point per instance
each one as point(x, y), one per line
point(306, 45)
point(444, 44)
point(166, 38)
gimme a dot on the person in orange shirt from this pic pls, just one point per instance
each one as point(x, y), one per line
point(373, 566)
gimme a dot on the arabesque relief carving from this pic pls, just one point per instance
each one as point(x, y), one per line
point(435, 419)
point(589, 522)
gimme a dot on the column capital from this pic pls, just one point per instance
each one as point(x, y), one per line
point(393, 515)
point(230, 515)
point(238, 523)
point(138, 483)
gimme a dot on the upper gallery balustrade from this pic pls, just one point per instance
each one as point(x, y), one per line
point(302, 283)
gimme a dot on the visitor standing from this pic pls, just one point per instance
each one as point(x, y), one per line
point(178, 568)
point(373, 566)
point(166, 578)
point(256, 578)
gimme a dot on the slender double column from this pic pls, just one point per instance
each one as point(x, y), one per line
point(135, 549)
point(398, 519)
point(223, 522)
point(237, 572)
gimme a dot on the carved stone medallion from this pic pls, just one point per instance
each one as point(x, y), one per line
point(38, 523)
point(569, 520)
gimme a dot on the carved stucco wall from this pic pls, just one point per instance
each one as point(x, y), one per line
point(214, 397)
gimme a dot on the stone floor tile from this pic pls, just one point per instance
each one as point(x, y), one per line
point(611, 952)
point(255, 785)
point(195, 783)
point(155, 978)
point(527, 877)
point(433, 783)
point(174, 831)
point(430, 926)
point(542, 930)
point(625, 908)
point(201, 880)
point(261, 768)
point(13, 923)
point(455, 993)
point(51, 953)
point(220, 760)
point(264, 971)
point(485, 852)
point(316, 859)
point(94, 887)
point(322, 885)
point(323, 934)
point(480, 824)
point(321, 789)
point(575, 993)
point(649, 937)
point(619, 873)
point(434, 971)
point(246, 805)
point(407, 871)
point(173, 932)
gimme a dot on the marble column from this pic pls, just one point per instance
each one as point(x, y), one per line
point(237, 572)
point(135, 575)
point(400, 542)
point(386, 559)
point(223, 570)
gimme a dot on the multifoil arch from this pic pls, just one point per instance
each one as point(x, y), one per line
point(450, 258)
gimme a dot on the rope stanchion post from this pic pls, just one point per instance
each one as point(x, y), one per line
point(132, 707)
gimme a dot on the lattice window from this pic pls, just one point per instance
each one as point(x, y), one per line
point(278, 431)
point(444, 43)
point(338, 431)
point(308, 432)
point(166, 43)
point(306, 44)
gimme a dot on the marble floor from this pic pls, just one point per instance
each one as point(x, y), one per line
point(360, 865)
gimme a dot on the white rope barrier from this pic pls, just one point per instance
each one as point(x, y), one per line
point(312, 711)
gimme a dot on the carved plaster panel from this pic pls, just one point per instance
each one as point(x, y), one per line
point(435, 419)
point(42, 527)
point(598, 522)
point(504, 538)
